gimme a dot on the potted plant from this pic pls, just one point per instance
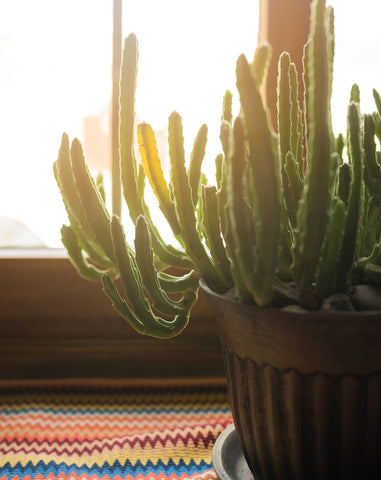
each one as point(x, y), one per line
point(287, 247)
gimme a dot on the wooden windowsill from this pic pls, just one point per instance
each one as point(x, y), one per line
point(54, 324)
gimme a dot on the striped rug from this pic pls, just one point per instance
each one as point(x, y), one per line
point(134, 432)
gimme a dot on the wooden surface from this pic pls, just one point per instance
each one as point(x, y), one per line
point(55, 324)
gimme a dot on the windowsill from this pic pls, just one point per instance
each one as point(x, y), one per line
point(54, 324)
point(41, 252)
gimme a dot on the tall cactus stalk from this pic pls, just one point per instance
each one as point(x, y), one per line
point(289, 219)
point(313, 212)
point(264, 162)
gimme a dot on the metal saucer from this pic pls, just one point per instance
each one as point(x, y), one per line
point(228, 460)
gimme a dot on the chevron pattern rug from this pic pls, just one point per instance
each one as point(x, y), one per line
point(111, 433)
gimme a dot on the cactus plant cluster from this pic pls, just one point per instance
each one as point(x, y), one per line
point(294, 212)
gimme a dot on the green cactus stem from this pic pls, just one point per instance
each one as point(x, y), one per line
point(150, 280)
point(355, 94)
point(91, 199)
point(261, 62)
point(370, 266)
point(296, 140)
point(85, 269)
point(344, 182)
point(312, 217)
point(134, 291)
point(179, 284)
point(128, 165)
point(239, 223)
point(284, 106)
point(377, 99)
point(294, 185)
point(121, 305)
point(373, 272)
point(264, 162)
point(64, 176)
point(227, 104)
point(99, 182)
point(212, 228)
point(372, 171)
point(326, 277)
point(340, 146)
point(355, 201)
point(226, 126)
point(219, 167)
point(154, 173)
point(289, 127)
point(132, 176)
point(195, 163)
point(306, 82)
point(184, 204)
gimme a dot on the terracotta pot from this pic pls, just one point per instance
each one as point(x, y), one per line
point(305, 390)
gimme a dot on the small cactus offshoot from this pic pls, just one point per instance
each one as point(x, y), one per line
point(288, 216)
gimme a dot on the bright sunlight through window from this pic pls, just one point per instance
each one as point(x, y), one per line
point(55, 76)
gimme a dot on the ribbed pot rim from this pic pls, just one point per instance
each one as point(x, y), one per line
point(333, 343)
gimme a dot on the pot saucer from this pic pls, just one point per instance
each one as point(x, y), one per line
point(228, 460)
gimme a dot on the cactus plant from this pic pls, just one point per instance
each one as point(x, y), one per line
point(288, 221)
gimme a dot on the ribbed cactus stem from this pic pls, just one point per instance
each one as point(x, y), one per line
point(85, 269)
point(355, 201)
point(377, 100)
point(195, 163)
point(219, 160)
point(340, 144)
point(306, 82)
point(261, 62)
point(239, 222)
point(227, 105)
point(313, 212)
point(372, 172)
point(149, 276)
point(93, 204)
point(344, 182)
point(373, 272)
point(212, 229)
point(134, 290)
point(355, 94)
point(152, 167)
point(121, 306)
point(293, 184)
point(64, 175)
point(174, 284)
point(371, 266)
point(284, 106)
point(327, 270)
point(128, 165)
point(296, 140)
point(288, 132)
point(184, 204)
point(264, 162)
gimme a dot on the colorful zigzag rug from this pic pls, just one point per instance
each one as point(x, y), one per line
point(132, 432)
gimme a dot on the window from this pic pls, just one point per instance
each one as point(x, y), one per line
point(55, 72)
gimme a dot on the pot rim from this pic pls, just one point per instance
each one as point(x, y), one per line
point(308, 342)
